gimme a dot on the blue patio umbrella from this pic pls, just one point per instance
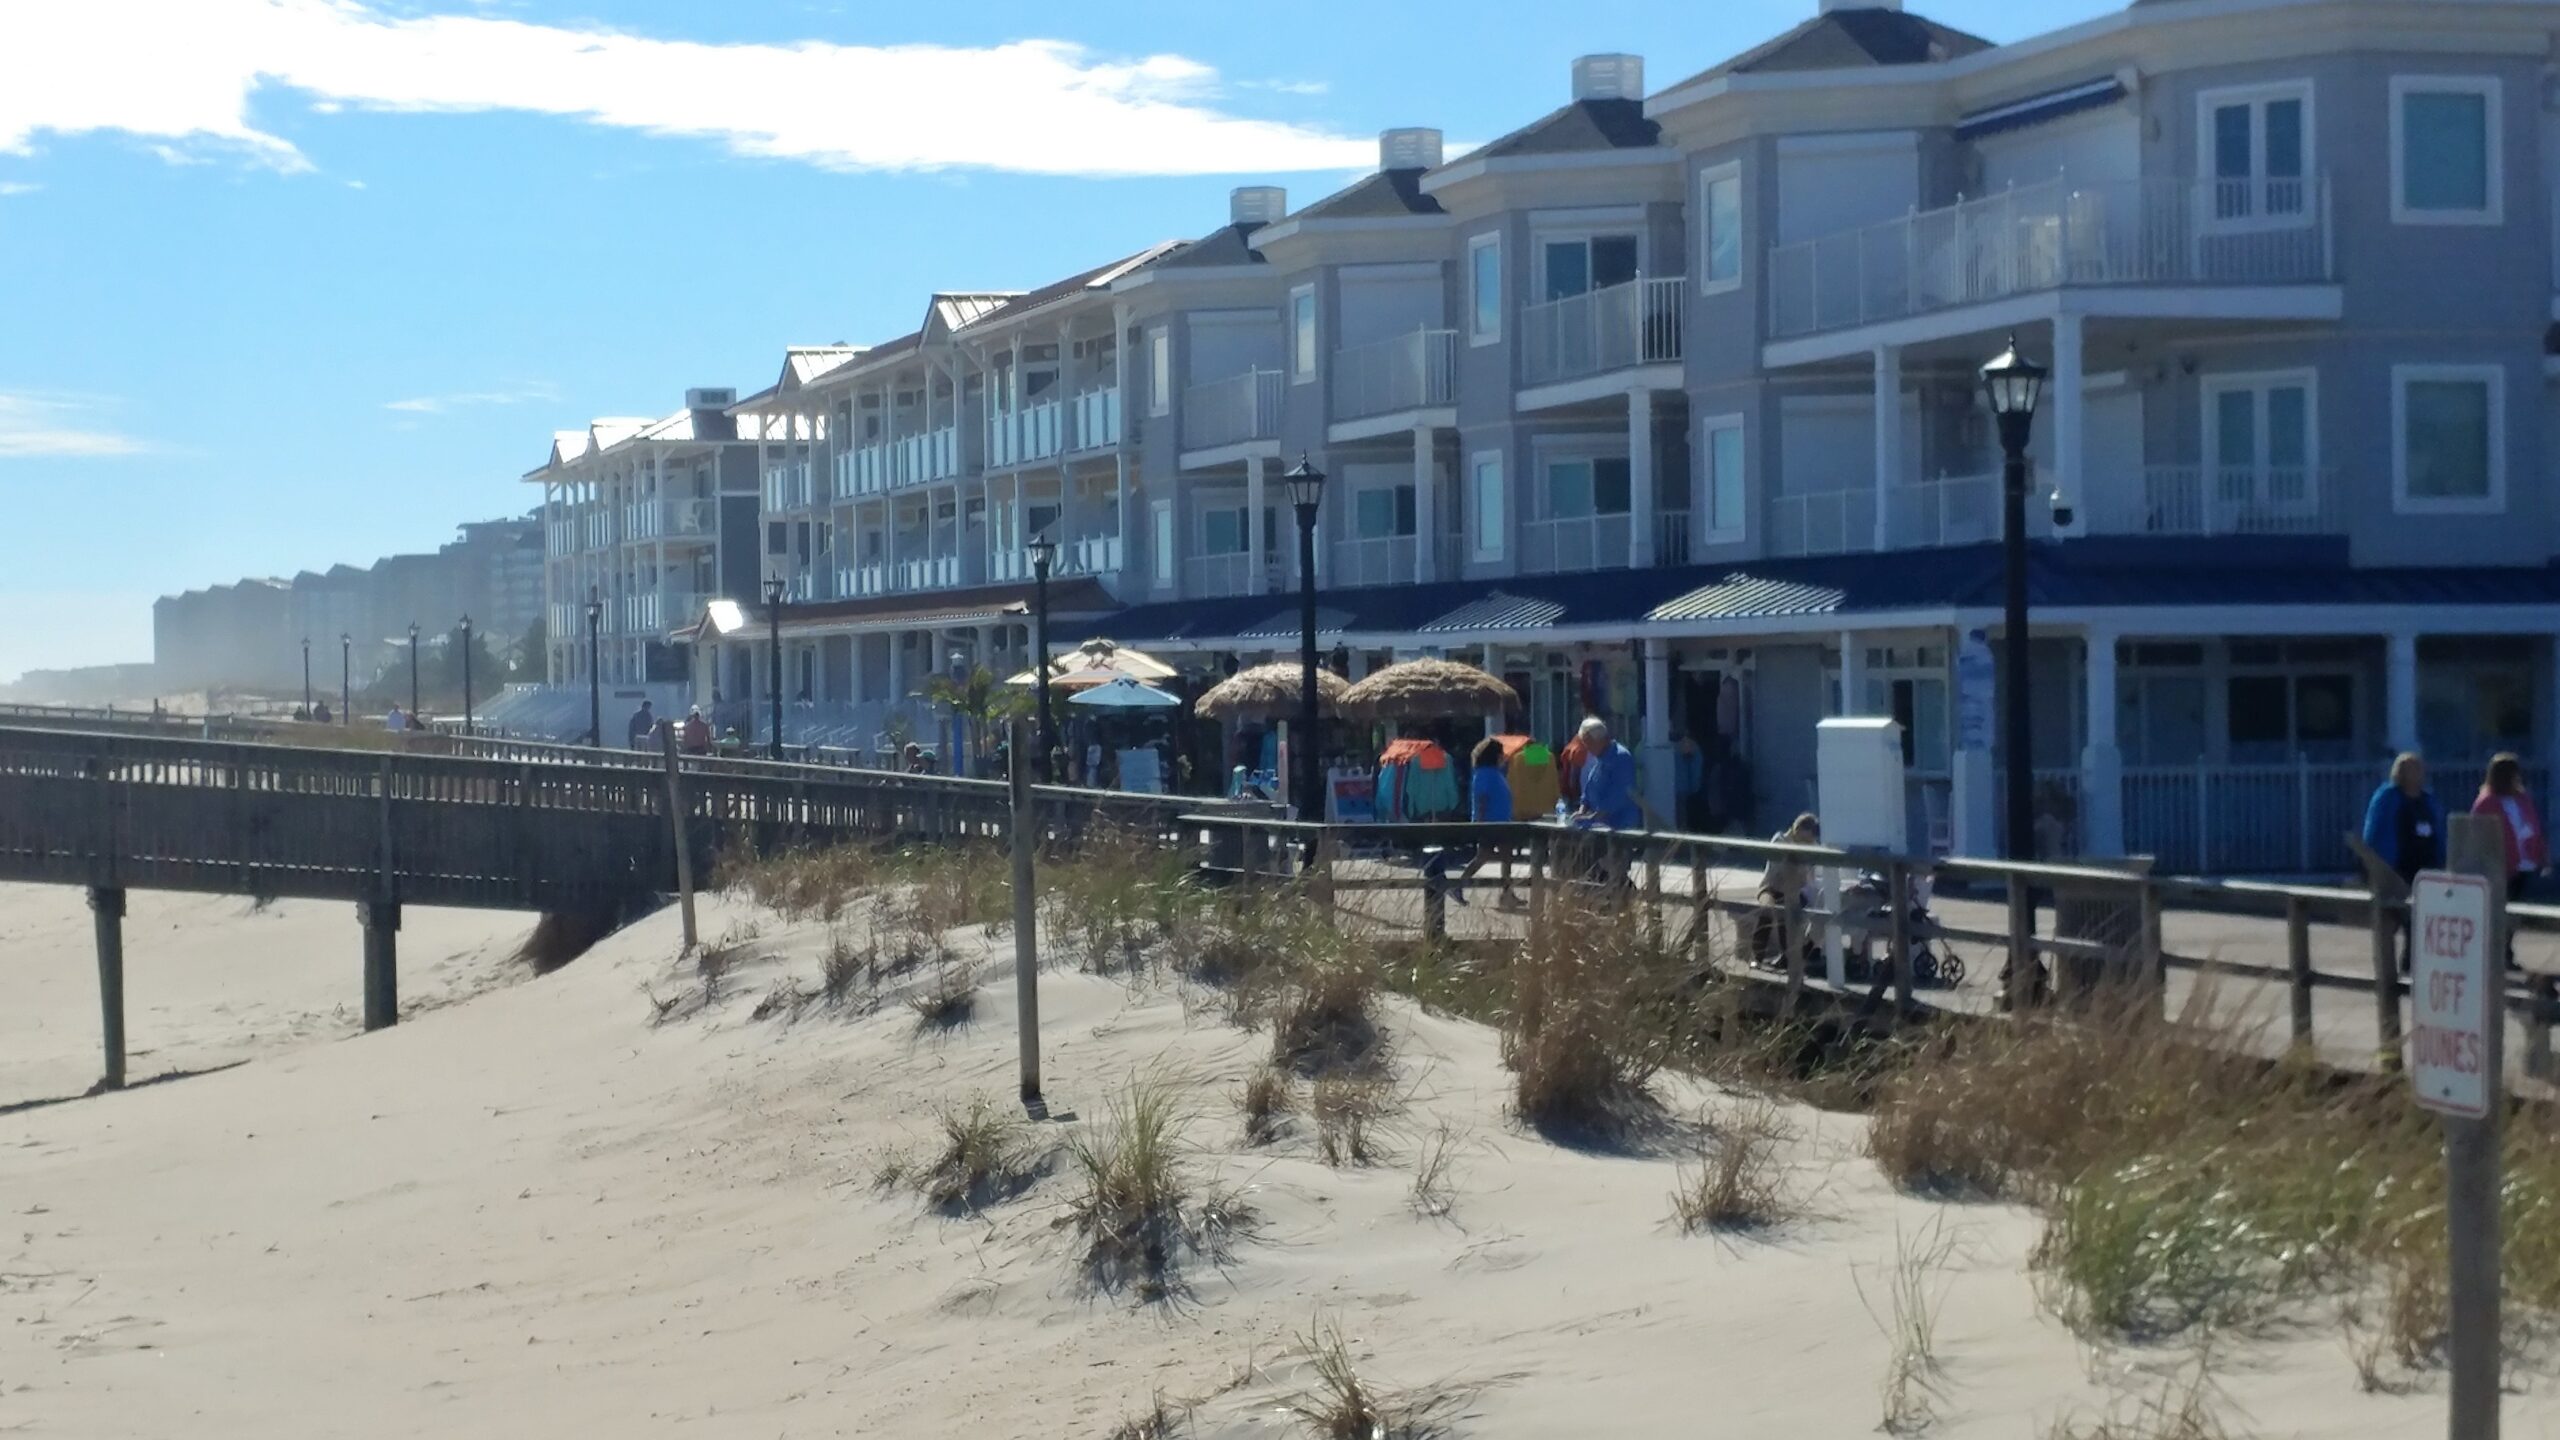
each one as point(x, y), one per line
point(1123, 694)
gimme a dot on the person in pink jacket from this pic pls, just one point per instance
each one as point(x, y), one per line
point(2505, 798)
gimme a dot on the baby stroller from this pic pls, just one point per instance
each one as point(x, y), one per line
point(1867, 904)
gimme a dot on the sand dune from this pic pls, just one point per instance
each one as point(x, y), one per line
point(539, 1213)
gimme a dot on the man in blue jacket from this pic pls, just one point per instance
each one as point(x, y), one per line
point(2405, 826)
point(1609, 780)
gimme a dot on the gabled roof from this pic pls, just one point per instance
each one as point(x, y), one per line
point(1226, 245)
point(804, 363)
point(1387, 194)
point(604, 434)
point(1584, 125)
point(1083, 282)
point(1857, 39)
point(957, 309)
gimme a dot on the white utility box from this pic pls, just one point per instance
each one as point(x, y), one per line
point(1859, 782)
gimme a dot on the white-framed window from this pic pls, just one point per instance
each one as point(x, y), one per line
point(1159, 370)
point(2253, 153)
point(1302, 334)
point(1581, 486)
point(2261, 444)
point(1720, 228)
point(2446, 165)
point(1166, 557)
point(1721, 449)
point(1484, 288)
point(1490, 510)
point(2448, 439)
point(1382, 512)
point(1578, 264)
point(1223, 530)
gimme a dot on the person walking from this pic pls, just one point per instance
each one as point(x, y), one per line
point(696, 735)
point(644, 723)
point(1608, 782)
point(1488, 803)
point(2505, 798)
point(2404, 825)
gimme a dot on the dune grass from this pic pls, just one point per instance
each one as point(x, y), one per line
point(1737, 1181)
point(1133, 1186)
point(987, 1155)
point(1343, 1404)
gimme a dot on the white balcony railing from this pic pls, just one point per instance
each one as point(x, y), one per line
point(1094, 418)
point(671, 520)
point(2220, 500)
point(2163, 500)
point(1634, 323)
point(927, 572)
point(1401, 372)
point(1019, 437)
point(887, 465)
point(1231, 411)
point(1671, 537)
point(786, 486)
point(1378, 560)
point(868, 578)
point(1208, 576)
point(1587, 542)
point(2047, 236)
point(1091, 555)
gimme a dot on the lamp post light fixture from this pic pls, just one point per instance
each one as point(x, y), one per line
point(346, 678)
point(595, 676)
point(2013, 384)
point(413, 674)
point(466, 675)
point(773, 590)
point(1044, 553)
point(1306, 492)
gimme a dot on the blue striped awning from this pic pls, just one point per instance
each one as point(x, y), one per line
point(2037, 109)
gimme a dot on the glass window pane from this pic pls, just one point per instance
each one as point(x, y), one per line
point(2258, 715)
point(2324, 709)
point(1488, 288)
point(2448, 436)
point(1373, 514)
point(1303, 322)
point(1724, 478)
point(2231, 142)
point(2288, 427)
point(1488, 507)
point(2284, 139)
point(1609, 488)
point(2235, 428)
point(2444, 160)
point(1222, 532)
point(1404, 510)
point(1724, 228)
point(1613, 260)
point(1569, 489)
point(1568, 265)
point(1164, 543)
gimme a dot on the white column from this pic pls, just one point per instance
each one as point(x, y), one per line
point(861, 687)
point(1256, 572)
point(1120, 507)
point(1426, 510)
point(1640, 478)
point(1661, 777)
point(2400, 690)
point(2067, 450)
point(1853, 674)
point(898, 685)
point(1889, 462)
point(2101, 762)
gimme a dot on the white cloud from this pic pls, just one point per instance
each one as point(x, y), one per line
point(1034, 106)
point(17, 187)
point(468, 399)
point(41, 426)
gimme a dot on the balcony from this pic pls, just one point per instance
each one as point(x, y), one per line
point(671, 520)
point(786, 486)
point(887, 465)
point(939, 571)
point(655, 613)
point(868, 578)
point(1094, 419)
point(1585, 542)
point(1379, 560)
point(1208, 576)
point(1020, 437)
point(1671, 537)
point(1091, 555)
point(1231, 411)
point(2162, 232)
point(1617, 327)
point(2158, 500)
point(1400, 373)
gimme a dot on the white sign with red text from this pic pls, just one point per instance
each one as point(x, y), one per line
point(2453, 992)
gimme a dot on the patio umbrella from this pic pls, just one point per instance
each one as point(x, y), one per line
point(1429, 690)
point(1122, 693)
point(1269, 692)
point(1097, 662)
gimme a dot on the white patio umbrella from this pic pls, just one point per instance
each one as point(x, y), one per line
point(1125, 694)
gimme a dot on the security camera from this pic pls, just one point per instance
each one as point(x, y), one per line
point(2062, 513)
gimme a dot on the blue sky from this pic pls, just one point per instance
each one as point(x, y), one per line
point(291, 282)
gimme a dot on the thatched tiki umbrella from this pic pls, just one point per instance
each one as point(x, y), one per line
point(1097, 662)
point(1429, 690)
point(1269, 692)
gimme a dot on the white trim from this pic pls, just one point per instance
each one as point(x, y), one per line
point(2256, 98)
point(1390, 270)
point(1850, 142)
point(1476, 548)
point(1470, 167)
point(1235, 454)
point(2492, 113)
point(1572, 217)
point(2213, 384)
point(1162, 525)
point(1304, 359)
point(1709, 531)
point(1160, 369)
point(1546, 232)
point(2495, 378)
point(1708, 179)
point(2206, 302)
point(1598, 387)
point(1476, 333)
point(1394, 422)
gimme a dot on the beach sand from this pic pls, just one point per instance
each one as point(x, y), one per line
point(546, 1212)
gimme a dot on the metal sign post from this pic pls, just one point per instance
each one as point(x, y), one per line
point(1026, 908)
point(2457, 1038)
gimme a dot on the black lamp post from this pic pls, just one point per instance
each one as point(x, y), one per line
point(466, 675)
point(346, 677)
point(1044, 553)
point(773, 588)
point(413, 674)
point(2013, 384)
point(306, 677)
point(1306, 491)
point(595, 676)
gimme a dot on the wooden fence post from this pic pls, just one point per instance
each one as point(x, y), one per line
point(1792, 934)
point(381, 921)
point(1026, 910)
point(106, 907)
point(2542, 994)
point(1540, 846)
point(2386, 984)
point(1320, 883)
point(676, 818)
point(2025, 987)
point(1651, 851)
point(1701, 913)
point(2297, 965)
point(1898, 895)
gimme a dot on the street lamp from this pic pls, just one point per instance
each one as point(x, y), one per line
point(466, 675)
point(2013, 384)
point(413, 674)
point(346, 678)
point(595, 677)
point(1044, 553)
point(306, 677)
point(1306, 491)
point(773, 655)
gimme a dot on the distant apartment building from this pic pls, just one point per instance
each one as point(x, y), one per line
point(1664, 406)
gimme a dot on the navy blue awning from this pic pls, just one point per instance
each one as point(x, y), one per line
point(2037, 109)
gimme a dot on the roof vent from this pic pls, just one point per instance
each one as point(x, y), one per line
point(710, 399)
point(1408, 149)
point(1256, 204)
point(1830, 5)
point(1608, 77)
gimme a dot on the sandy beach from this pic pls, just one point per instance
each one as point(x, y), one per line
point(546, 1211)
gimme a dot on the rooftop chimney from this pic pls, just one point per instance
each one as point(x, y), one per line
point(1256, 204)
point(1408, 149)
point(1608, 77)
point(1830, 5)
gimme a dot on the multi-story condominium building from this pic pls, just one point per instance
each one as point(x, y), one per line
point(225, 635)
point(1665, 407)
point(649, 519)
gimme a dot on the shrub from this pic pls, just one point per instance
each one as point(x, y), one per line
point(1268, 1099)
point(1593, 1013)
point(1118, 899)
point(1347, 1109)
point(1738, 1181)
point(1344, 1405)
point(1132, 1185)
point(948, 999)
point(1325, 1016)
point(987, 1155)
